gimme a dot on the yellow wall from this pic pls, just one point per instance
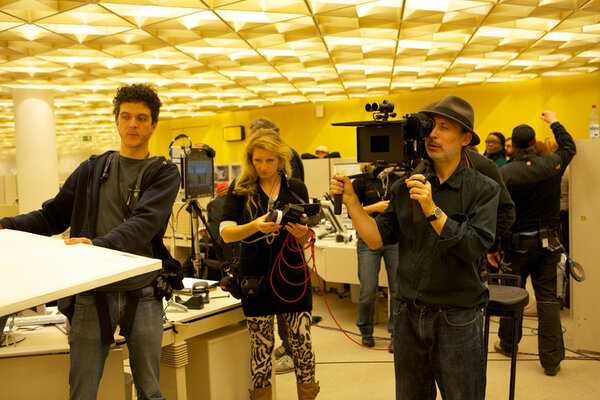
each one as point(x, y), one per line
point(498, 107)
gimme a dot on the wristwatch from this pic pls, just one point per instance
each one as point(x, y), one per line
point(437, 213)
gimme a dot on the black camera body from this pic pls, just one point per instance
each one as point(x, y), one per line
point(294, 213)
point(385, 142)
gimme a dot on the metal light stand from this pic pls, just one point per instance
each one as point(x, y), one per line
point(194, 209)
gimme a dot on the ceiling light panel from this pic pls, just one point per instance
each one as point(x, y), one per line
point(222, 55)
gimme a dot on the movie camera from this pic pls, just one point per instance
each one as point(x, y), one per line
point(387, 143)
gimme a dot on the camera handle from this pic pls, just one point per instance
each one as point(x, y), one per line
point(337, 198)
point(421, 168)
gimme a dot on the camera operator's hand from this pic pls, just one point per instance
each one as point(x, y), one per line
point(365, 225)
point(299, 231)
point(262, 225)
point(420, 190)
point(341, 184)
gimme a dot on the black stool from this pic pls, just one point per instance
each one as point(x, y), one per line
point(507, 299)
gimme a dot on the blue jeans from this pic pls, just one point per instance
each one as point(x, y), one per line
point(438, 344)
point(88, 353)
point(369, 264)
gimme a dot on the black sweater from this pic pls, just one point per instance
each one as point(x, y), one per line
point(257, 259)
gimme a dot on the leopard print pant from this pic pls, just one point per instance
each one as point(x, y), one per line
point(262, 342)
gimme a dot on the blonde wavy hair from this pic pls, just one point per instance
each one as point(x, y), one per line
point(247, 182)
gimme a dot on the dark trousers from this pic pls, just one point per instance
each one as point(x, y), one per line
point(540, 264)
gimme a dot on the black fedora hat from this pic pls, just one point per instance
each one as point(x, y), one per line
point(456, 109)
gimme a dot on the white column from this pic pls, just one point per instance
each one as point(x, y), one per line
point(35, 133)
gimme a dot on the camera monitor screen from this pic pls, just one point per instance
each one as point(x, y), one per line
point(381, 142)
point(198, 178)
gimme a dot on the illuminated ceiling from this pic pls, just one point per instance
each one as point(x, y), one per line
point(222, 55)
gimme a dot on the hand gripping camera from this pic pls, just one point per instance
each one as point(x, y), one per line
point(294, 213)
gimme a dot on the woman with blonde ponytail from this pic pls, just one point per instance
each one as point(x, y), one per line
point(275, 279)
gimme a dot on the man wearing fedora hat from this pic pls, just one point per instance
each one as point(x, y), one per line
point(533, 248)
point(438, 328)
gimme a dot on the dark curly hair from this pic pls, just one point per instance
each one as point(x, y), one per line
point(138, 93)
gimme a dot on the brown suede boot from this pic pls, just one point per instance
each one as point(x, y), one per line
point(308, 391)
point(262, 393)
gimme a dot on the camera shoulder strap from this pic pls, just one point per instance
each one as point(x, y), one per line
point(271, 202)
point(289, 189)
point(467, 159)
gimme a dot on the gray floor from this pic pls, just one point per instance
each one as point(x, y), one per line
point(347, 371)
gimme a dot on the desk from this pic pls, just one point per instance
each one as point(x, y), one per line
point(338, 262)
point(208, 354)
point(38, 367)
point(191, 367)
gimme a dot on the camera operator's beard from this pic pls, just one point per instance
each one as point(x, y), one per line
point(437, 152)
point(444, 153)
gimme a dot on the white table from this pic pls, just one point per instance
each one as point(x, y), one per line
point(338, 262)
point(37, 269)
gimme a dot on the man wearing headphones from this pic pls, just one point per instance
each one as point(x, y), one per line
point(118, 200)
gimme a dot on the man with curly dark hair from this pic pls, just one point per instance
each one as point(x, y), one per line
point(120, 200)
point(138, 93)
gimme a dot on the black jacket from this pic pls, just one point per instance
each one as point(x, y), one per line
point(506, 207)
point(534, 183)
point(76, 206)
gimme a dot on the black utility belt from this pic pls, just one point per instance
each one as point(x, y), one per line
point(545, 238)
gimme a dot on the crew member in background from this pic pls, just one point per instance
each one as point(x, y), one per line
point(438, 327)
point(494, 148)
point(118, 200)
point(276, 287)
point(533, 247)
point(508, 148)
point(322, 151)
point(374, 193)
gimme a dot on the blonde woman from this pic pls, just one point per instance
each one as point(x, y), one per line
point(274, 285)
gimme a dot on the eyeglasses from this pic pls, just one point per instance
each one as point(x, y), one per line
point(488, 141)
